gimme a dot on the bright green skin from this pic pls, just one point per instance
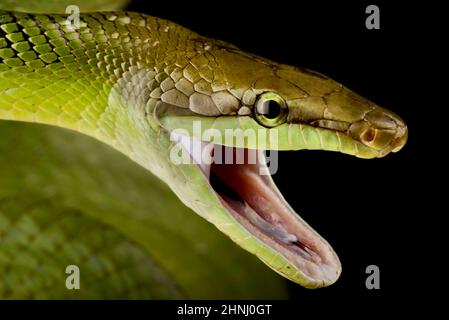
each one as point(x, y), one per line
point(67, 199)
point(129, 79)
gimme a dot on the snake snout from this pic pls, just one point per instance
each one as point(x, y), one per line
point(381, 130)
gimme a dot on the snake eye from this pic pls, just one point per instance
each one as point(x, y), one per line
point(270, 110)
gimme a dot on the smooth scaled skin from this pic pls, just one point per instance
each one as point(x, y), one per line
point(129, 79)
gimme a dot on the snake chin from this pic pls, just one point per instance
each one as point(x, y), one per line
point(247, 192)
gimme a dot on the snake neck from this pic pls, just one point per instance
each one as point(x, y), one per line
point(104, 78)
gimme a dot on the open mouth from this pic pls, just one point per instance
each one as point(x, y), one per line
point(241, 181)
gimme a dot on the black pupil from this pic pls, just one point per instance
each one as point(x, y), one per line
point(272, 109)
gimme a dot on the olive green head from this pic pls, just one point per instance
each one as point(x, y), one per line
point(308, 110)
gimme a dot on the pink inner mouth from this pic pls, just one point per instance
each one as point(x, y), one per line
point(248, 196)
point(256, 203)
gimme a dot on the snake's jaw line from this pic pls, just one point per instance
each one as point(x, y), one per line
point(260, 208)
point(250, 197)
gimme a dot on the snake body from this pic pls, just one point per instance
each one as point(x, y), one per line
point(130, 80)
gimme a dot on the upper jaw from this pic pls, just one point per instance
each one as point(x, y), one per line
point(381, 140)
point(378, 129)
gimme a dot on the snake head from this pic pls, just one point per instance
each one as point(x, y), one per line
point(310, 109)
point(226, 89)
point(328, 105)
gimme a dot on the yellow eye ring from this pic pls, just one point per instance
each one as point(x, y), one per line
point(270, 110)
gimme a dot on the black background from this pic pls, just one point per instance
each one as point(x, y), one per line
point(371, 211)
point(367, 209)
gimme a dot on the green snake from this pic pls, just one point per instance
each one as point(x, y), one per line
point(142, 85)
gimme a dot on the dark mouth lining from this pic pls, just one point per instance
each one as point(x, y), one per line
point(223, 182)
point(257, 205)
point(255, 202)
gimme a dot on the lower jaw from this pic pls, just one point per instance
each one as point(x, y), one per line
point(257, 205)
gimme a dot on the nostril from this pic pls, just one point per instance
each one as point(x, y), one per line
point(363, 132)
point(368, 135)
